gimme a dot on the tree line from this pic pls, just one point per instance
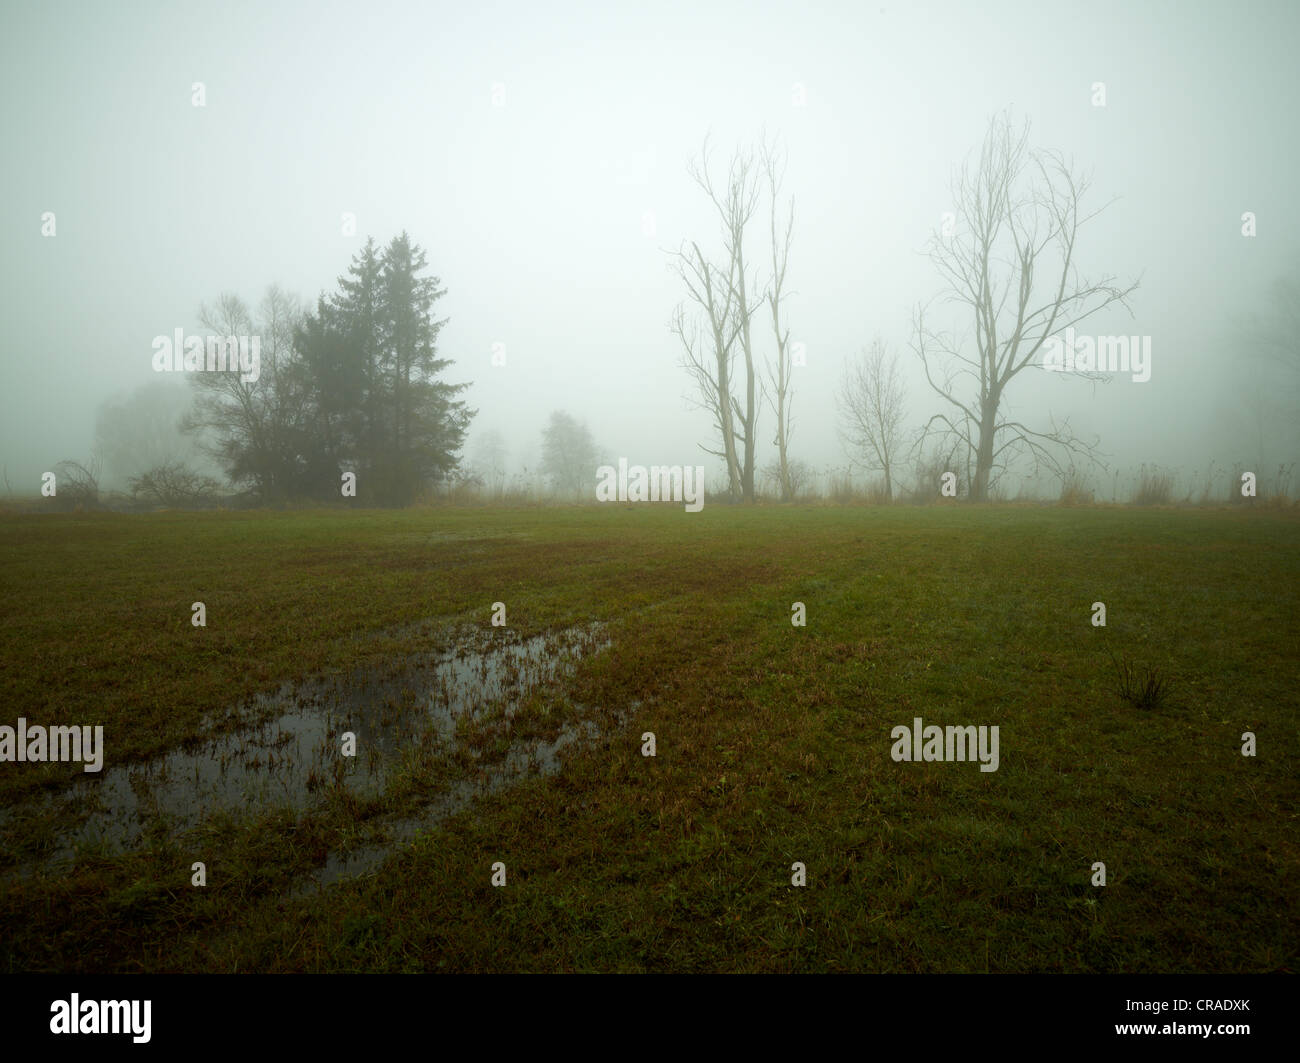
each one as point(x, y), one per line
point(354, 385)
point(1008, 255)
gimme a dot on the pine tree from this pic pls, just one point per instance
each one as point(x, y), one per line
point(423, 424)
point(358, 312)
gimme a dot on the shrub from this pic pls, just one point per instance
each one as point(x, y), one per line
point(1075, 489)
point(1155, 487)
point(76, 486)
point(175, 485)
point(929, 477)
point(1144, 689)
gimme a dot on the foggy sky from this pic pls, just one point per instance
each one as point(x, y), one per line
point(532, 213)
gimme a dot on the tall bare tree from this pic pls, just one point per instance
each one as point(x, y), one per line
point(709, 353)
point(779, 374)
point(870, 403)
point(724, 294)
point(1020, 217)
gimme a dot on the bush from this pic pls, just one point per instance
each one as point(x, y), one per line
point(175, 485)
point(1155, 487)
point(929, 479)
point(1075, 489)
point(841, 487)
point(1144, 688)
point(76, 486)
point(1277, 493)
point(803, 479)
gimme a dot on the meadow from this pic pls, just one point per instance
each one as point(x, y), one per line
point(772, 742)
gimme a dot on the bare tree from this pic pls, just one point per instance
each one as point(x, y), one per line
point(724, 296)
point(1014, 234)
point(779, 373)
point(256, 424)
point(870, 403)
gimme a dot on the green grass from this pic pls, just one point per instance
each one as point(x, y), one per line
point(773, 741)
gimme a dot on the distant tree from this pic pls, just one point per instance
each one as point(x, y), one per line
point(1020, 215)
point(569, 456)
point(335, 422)
point(490, 461)
point(341, 348)
point(257, 429)
point(780, 372)
point(1271, 398)
point(721, 292)
point(143, 429)
point(424, 424)
point(1276, 333)
point(870, 403)
point(349, 387)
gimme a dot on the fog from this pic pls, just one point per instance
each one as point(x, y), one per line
point(539, 155)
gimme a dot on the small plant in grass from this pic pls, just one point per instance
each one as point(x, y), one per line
point(1144, 688)
point(1208, 492)
point(1155, 487)
point(1279, 494)
point(1075, 489)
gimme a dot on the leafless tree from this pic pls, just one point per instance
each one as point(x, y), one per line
point(255, 424)
point(1019, 214)
point(870, 403)
point(723, 294)
point(779, 373)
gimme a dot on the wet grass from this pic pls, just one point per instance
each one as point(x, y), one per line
point(772, 741)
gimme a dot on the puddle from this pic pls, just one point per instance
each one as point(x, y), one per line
point(523, 759)
point(284, 762)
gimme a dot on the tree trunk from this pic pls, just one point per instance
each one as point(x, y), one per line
point(984, 455)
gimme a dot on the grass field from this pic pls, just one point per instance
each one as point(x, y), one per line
point(773, 742)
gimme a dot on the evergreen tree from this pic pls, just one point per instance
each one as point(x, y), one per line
point(422, 423)
point(350, 387)
point(358, 314)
